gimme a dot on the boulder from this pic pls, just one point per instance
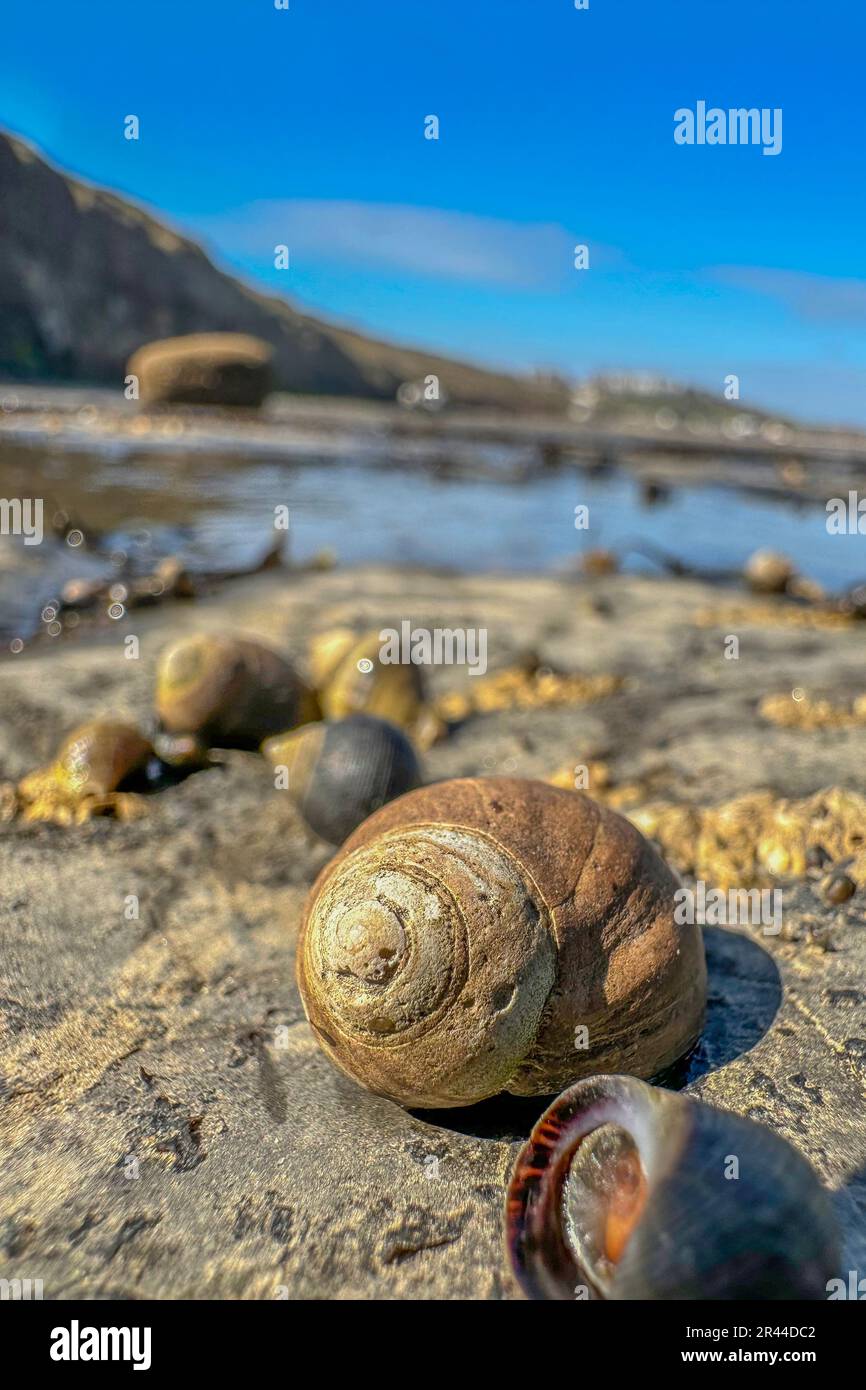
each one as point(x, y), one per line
point(203, 369)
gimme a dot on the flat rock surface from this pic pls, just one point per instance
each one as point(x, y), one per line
point(168, 1124)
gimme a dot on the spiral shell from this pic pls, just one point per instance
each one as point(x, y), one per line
point(91, 764)
point(494, 934)
point(628, 1192)
point(229, 692)
point(338, 774)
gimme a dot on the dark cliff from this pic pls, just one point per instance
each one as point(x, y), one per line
point(86, 277)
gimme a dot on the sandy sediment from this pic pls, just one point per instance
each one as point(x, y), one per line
point(170, 1127)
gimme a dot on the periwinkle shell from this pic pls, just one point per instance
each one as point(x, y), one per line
point(497, 934)
point(339, 773)
point(325, 652)
point(391, 691)
point(624, 1191)
point(230, 692)
point(94, 760)
point(91, 765)
point(768, 572)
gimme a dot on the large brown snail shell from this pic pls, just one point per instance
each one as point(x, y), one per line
point(494, 934)
point(228, 692)
point(628, 1192)
point(339, 774)
point(92, 763)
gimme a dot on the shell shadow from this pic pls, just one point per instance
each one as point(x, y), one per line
point(744, 991)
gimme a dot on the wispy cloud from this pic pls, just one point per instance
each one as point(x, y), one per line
point(818, 298)
point(414, 240)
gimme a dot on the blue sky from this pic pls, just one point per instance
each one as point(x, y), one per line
point(306, 127)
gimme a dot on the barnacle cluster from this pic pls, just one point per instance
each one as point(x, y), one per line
point(747, 841)
point(799, 710)
point(753, 839)
point(520, 687)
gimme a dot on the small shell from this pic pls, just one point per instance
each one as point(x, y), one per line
point(628, 1192)
point(768, 572)
point(838, 887)
point(172, 577)
point(91, 764)
point(230, 692)
point(854, 602)
point(182, 752)
point(388, 691)
point(326, 651)
point(494, 934)
point(340, 773)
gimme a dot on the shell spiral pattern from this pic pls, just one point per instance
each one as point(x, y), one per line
point(495, 934)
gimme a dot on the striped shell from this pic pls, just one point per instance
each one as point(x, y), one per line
point(628, 1192)
point(338, 774)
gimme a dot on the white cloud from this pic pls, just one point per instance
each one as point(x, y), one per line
point(819, 298)
point(418, 241)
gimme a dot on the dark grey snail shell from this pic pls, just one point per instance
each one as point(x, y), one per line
point(339, 773)
point(625, 1191)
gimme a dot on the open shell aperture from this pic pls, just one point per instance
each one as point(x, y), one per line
point(495, 934)
point(624, 1191)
